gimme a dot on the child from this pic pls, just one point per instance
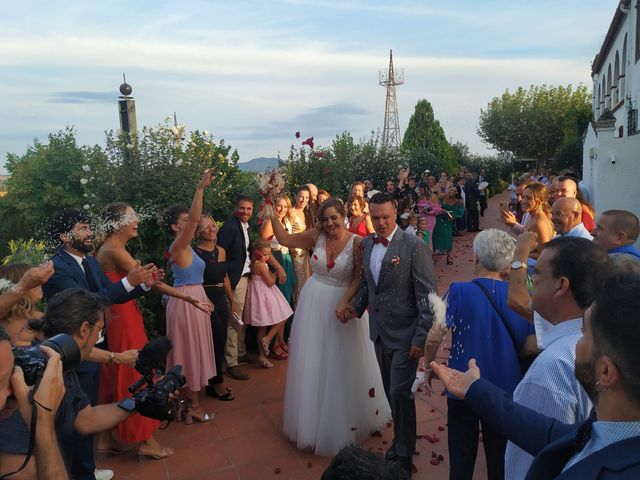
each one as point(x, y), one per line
point(413, 224)
point(423, 232)
point(265, 306)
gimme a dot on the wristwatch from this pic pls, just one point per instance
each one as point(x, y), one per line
point(517, 264)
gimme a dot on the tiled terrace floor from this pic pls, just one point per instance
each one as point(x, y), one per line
point(244, 440)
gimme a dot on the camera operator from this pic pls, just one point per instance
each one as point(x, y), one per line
point(15, 393)
point(80, 314)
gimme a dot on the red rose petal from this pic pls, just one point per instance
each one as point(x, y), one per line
point(434, 455)
point(441, 428)
point(309, 464)
point(277, 471)
point(416, 453)
point(433, 410)
point(389, 424)
point(384, 442)
point(376, 434)
point(372, 392)
point(376, 412)
point(331, 264)
point(414, 469)
point(353, 429)
point(315, 257)
point(434, 461)
point(440, 458)
point(444, 392)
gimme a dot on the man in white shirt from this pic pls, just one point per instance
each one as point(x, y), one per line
point(566, 215)
point(563, 288)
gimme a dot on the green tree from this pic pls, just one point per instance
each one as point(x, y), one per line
point(44, 180)
point(425, 144)
point(536, 123)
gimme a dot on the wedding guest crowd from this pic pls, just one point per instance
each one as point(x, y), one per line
point(535, 299)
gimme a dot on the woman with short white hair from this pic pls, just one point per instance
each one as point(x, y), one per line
point(484, 328)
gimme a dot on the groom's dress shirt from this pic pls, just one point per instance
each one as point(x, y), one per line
point(377, 254)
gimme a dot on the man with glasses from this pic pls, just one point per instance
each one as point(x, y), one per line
point(76, 268)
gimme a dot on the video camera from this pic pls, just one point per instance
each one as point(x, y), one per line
point(33, 362)
point(151, 399)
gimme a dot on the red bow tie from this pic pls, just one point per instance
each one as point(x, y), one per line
point(381, 240)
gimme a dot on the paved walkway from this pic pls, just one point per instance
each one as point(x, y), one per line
point(244, 440)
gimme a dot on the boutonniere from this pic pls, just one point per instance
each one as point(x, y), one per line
point(315, 257)
point(395, 260)
point(167, 256)
point(331, 264)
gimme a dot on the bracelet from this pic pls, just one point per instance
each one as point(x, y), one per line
point(42, 406)
point(112, 356)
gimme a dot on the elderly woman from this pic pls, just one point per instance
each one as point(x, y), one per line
point(483, 328)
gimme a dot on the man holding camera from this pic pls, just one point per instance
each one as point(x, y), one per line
point(80, 314)
point(14, 393)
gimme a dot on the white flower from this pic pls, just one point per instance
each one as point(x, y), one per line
point(85, 195)
point(129, 146)
point(83, 181)
point(86, 168)
point(93, 195)
point(178, 163)
point(92, 178)
point(87, 206)
point(206, 133)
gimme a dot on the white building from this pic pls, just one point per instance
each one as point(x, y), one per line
point(611, 149)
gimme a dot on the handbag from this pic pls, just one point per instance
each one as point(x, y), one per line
point(526, 360)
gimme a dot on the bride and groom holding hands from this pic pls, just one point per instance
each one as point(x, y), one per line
point(367, 302)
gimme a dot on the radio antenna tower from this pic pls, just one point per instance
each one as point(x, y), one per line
point(391, 79)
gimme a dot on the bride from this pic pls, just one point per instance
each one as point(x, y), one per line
point(334, 394)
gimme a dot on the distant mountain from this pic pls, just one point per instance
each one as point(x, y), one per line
point(261, 164)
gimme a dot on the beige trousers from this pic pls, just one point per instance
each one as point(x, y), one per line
point(235, 347)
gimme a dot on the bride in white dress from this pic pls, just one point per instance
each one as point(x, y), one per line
point(334, 393)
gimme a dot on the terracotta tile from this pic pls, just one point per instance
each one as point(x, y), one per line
point(240, 422)
point(258, 445)
point(193, 460)
point(278, 467)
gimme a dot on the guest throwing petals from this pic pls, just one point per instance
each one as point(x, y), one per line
point(188, 328)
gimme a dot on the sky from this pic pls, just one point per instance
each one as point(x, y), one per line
point(255, 72)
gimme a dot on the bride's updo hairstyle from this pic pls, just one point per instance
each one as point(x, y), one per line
point(332, 202)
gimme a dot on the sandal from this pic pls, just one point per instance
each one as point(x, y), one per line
point(279, 355)
point(164, 453)
point(115, 451)
point(265, 346)
point(264, 363)
point(283, 345)
point(225, 397)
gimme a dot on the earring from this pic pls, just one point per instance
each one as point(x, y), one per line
point(600, 388)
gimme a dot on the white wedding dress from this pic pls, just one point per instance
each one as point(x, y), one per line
point(334, 393)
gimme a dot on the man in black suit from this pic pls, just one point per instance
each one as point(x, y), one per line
point(472, 196)
point(234, 238)
point(75, 268)
point(482, 177)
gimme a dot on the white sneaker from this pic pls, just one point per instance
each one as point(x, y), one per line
point(103, 474)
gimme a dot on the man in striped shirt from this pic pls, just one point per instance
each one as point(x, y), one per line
point(563, 288)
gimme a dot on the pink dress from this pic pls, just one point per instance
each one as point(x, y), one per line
point(264, 306)
point(429, 210)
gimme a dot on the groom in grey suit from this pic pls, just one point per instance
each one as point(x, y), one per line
point(397, 278)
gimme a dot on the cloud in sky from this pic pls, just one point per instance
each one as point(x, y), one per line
point(255, 72)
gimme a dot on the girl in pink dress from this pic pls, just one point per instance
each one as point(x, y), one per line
point(265, 307)
point(428, 208)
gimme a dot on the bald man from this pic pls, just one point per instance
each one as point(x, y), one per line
point(617, 231)
point(566, 215)
point(568, 187)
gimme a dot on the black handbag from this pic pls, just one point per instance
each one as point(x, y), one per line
point(526, 360)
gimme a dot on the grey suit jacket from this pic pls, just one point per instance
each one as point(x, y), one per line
point(399, 310)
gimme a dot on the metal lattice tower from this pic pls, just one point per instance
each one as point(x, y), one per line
point(391, 79)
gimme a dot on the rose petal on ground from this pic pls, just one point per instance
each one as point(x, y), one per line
point(434, 455)
point(372, 392)
point(440, 458)
point(277, 471)
point(413, 468)
point(441, 428)
point(309, 464)
point(376, 412)
point(389, 424)
point(434, 461)
point(433, 410)
point(353, 429)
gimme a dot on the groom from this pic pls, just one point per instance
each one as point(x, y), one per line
point(397, 277)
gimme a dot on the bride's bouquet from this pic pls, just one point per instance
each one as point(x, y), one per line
point(270, 185)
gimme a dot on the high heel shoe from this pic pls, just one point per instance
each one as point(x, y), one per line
point(204, 418)
point(283, 345)
point(279, 355)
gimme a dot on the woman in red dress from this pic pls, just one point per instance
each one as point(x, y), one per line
point(125, 331)
point(359, 221)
